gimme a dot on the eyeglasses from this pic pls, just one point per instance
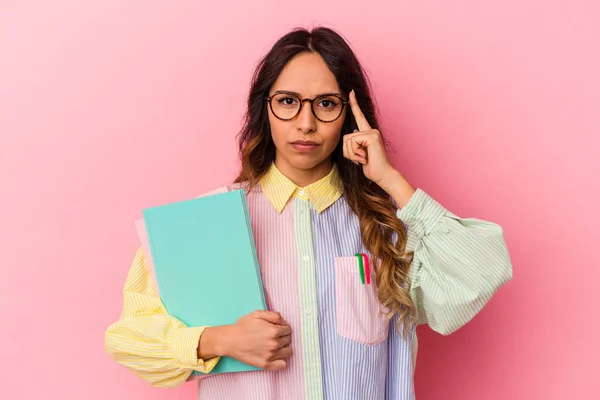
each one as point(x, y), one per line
point(326, 107)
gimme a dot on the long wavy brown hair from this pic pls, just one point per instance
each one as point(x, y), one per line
point(382, 232)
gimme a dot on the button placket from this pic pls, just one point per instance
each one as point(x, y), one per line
point(311, 351)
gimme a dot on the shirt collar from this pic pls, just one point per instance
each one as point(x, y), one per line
point(279, 188)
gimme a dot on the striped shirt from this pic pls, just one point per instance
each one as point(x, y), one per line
point(344, 348)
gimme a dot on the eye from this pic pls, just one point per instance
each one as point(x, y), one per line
point(327, 103)
point(287, 101)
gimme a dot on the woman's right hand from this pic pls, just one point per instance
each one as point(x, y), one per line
point(261, 339)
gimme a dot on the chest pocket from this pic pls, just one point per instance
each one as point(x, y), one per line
point(359, 314)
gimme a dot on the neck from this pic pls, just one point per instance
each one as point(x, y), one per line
point(304, 177)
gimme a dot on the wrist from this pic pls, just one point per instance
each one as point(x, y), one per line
point(212, 342)
point(389, 179)
point(397, 187)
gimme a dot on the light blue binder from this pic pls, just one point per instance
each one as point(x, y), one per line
point(205, 262)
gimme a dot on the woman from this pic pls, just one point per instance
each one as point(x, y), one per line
point(320, 190)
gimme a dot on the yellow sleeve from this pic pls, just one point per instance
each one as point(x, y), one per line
point(155, 346)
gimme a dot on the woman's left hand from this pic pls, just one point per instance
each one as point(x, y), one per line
point(365, 147)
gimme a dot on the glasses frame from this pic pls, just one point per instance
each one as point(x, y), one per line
point(311, 101)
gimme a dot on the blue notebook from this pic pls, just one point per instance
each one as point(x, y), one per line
point(205, 262)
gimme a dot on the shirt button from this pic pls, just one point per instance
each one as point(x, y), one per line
point(307, 311)
point(313, 367)
point(301, 192)
point(306, 258)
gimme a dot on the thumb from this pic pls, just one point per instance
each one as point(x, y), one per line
point(271, 316)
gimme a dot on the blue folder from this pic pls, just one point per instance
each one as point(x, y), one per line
point(205, 262)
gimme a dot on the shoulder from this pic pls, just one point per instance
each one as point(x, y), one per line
point(217, 190)
point(231, 187)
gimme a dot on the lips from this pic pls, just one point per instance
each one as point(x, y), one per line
point(304, 145)
point(305, 142)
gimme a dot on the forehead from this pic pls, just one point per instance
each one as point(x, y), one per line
point(308, 75)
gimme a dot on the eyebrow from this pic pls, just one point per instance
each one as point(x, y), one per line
point(300, 96)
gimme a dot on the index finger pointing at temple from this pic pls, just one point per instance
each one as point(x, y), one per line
point(361, 121)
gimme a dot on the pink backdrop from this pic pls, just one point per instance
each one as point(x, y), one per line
point(110, 106)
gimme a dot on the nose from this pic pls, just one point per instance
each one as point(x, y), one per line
point(307, 122)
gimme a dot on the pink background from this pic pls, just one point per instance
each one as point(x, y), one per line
point(110, 106)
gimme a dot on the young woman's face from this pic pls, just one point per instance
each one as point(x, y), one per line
point(305, 142)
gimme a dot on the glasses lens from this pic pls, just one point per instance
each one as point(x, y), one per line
point(327, 108)
point(285, 106)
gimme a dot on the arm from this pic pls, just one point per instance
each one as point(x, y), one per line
point(458, 263)
point(153, 345)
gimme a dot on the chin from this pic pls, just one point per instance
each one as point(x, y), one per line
point(305, 162)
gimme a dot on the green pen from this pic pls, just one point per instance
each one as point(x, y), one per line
point(361, 268)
